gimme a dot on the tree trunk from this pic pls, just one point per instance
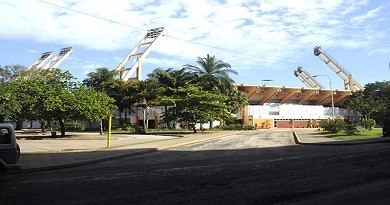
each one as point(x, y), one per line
point(43, 126)
point(194, 128)
point(51, 128)
point(101, 127)
point(62, 125)
point(145, 118)
point(19, 125)
point(120, 116)
point(165, 120)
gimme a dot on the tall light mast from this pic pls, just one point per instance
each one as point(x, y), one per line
point(307, 79)
point(59, 58)
point(138, 54)
point(349, 82)
point(45, 57)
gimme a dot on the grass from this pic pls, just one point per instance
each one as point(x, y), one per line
point(363, 134)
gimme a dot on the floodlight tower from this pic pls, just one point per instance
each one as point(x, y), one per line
point(57, 60)
point(307, 79)
point(45, 57)
point(139, 53)
point(349, 82)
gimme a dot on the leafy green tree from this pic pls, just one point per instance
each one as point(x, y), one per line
point(373, 101)
point(237, 100)
point(10, 72)
point(197, 105)
point(30, 95)
point(146, 96)
point(80, 103)
point(102, 80)
point(212, 74)
point(170, 80)
point(10, 106)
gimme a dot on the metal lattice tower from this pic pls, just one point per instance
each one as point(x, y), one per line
point(307, 79)
point(349, 82)
point(138, 54)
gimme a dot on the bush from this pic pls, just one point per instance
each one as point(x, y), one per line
point(249, 127)
point(369, 124)
point(350, 128)
point(332, 126)
point(132, 129)
point(235, 127)
point(74, 126)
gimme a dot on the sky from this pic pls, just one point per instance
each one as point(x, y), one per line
point(263, 40)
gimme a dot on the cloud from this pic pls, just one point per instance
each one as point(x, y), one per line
point(367, 16)
point(246, 34)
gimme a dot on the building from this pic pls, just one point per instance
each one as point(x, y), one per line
point(291, 107)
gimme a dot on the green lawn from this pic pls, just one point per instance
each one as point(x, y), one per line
point(363, 134)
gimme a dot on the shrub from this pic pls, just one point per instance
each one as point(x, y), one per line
point(74, 126)
point(249, 127)
point(332, 126)
point(132, 129)
point(369, 124)
point(350, 128)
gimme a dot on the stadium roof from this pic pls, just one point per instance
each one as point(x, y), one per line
point(260, 94)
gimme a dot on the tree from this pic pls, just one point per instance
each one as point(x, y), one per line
point(146, 96)
point(237, 100)
point(80, 103)
point(373, 101)
point(10, 72)
point(31, 94)
point(212, 74)
point(10, 106)
point(197, 105)
point(170, 80)
point(102, 80)
point(91, 105)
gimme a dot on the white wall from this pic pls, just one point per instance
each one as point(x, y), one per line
point(290, 111)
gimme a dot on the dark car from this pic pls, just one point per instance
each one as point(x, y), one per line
point(9, 148)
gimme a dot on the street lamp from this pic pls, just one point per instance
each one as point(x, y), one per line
point(266, 80)
point(331, 92)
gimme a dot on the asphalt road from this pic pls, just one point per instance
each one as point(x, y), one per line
point(249, 168)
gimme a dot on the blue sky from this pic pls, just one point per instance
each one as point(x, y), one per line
point(261, 39)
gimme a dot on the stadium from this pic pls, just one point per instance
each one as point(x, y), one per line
point(268, 106)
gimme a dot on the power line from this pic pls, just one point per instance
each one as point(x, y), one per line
point(184, 40)
point(93, 16)
point(169, 36)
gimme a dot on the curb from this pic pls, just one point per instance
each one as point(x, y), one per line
point(337, 143)
point(104, 159)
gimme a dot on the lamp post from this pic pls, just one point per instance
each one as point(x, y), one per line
point(266, 80)
point(331, 92)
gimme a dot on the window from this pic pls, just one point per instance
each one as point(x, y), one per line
point(5, 137)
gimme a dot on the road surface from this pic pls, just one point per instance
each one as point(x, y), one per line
point(251, 167)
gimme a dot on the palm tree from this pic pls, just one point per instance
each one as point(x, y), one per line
point(212, 74)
